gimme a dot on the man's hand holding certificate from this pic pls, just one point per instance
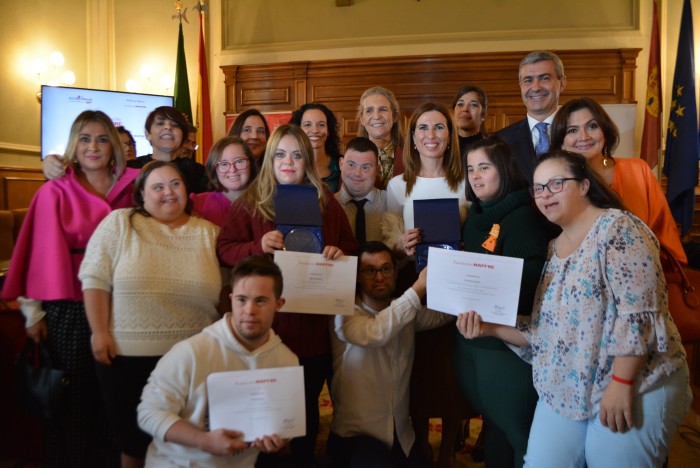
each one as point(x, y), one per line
point(258, 402)
point(487, 284)
point(316, 285)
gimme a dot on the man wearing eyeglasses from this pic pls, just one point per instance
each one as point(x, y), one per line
point(372, 360)
point(362, 202)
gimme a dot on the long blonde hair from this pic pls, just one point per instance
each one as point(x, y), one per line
point(451, 160)
point(260, 194)
point(70, 158)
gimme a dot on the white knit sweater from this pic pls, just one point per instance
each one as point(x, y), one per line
point(164, 282)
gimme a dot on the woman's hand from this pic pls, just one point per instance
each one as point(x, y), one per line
point(39, 331)
point(616, 407)
point(271, 241)
point(331, 252)
point(269, 444)
point(470, 325)
point(53, 167)
point(409, 240)
point(103, 348)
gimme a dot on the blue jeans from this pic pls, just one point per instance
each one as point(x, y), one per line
point(557, 442)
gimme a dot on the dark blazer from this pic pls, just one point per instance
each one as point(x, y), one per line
point(519, 138)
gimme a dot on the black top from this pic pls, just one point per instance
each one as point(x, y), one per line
point(519, 138)
point(464, 142)
point(194, 173)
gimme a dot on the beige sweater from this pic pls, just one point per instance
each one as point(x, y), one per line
point(165, 282)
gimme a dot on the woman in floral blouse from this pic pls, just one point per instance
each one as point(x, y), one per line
point(607, 359)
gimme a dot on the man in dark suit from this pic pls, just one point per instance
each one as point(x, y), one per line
point(541, 78)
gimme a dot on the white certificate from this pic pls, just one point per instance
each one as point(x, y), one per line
point(258, 402)
point(462, 281)
point(314, 285)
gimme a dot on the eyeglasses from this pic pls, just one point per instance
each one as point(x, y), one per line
point(554, 186)
point(370, 273)
point(225, 166)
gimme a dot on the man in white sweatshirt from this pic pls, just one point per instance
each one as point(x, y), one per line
point(174, 407)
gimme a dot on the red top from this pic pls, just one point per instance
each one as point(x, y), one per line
point(305, 334)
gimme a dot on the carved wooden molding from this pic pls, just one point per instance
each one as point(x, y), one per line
point(607, 75)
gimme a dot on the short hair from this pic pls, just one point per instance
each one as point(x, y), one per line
point(396, 133)
point(140, 186)
point(501, 155)
point(332, 144)
point(191, 129)
point(237, 127)
point(483, 97)
point(85, 117)
point(258, 265)
point(217, 152)
point(373, 247)
point(542, 56)
point(451, 161)
point(483, 100)
point(561, 122)
point(170, 113)
point(362, 145)
point(599, 193)
point(126, 132)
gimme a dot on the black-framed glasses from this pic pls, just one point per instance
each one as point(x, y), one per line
point(370, 272)
point(225, 166)
point(554, 186)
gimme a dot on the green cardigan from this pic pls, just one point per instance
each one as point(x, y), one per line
point(524, 234)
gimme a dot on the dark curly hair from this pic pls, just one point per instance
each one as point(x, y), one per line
point(332, 144)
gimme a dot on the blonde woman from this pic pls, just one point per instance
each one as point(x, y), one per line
point(249, 229)
point(44, 274)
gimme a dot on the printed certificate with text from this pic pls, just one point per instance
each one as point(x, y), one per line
point(258, 402)
point(314, 285)
point(463, 281)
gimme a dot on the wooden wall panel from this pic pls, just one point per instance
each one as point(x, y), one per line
point(606, 75)
point(18, 186)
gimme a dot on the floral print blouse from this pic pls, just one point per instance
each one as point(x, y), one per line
point(607, 299)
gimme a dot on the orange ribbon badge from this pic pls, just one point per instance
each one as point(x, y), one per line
point(490, 243)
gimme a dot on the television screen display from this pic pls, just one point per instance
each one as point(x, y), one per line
point(60, 106)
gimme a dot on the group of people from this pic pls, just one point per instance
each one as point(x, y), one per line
point(124, 273)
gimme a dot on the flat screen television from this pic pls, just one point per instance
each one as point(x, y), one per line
point(60, 106)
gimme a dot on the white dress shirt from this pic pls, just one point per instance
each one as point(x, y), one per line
point(374, 209)
point(372, 361)
point(531, 121)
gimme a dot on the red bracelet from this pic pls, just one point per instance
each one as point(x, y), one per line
point(622, 381)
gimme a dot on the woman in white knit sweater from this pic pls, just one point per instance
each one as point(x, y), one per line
point(150, 279)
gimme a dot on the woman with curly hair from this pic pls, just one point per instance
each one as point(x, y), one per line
point(321, 126)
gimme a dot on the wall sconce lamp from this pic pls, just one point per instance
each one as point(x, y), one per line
point(52, 73)
point(146, 85)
